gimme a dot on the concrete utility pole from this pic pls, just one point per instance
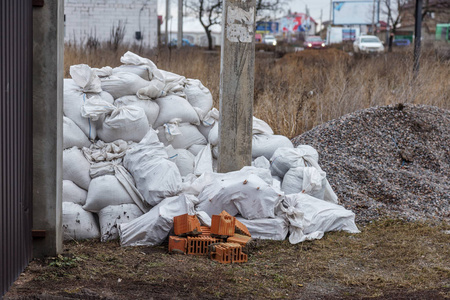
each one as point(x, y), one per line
point(236, 84)
point(180, 24)
point(48, 74)
point(167, 21)
point(418, 36)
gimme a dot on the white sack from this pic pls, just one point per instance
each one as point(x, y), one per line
point(153, 90)
point(131, 59)
point(79, 91)
point(204, 219)
point(127, 123)
point(215, 152)
point(198, 96)
point(303, 156)
point(261, 127)
point(174, 107)
point(250, 196)
point(180, 136)
point(101, 151)
point(183, 159)
point(103, 72)
point(306, 180)
point(112, 216)
point(116, 169)
point(203, 161)
point(213, 135)
point(285, 158)
point(195, 149)
point(310, 217)
point(73, 193)
point(122, 84)
point(76, 167)
point(77, 223)
point(265, 144)
point(150, 107)
point(267, 229)
point(156, 177)
point(261, 162)
point(73, 136)
point(104, 191)
point(170, 77)
point(152, 228)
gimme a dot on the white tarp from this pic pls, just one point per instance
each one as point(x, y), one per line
point(155, 175)
point(267, 229)
point(310, 218)
point(153, 227)
point(248, 195)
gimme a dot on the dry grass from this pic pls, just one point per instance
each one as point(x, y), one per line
point(303, 89)
point(390, 259)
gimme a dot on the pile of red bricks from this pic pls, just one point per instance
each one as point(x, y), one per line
point(226, 241)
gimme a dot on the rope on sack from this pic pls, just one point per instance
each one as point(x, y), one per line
point(89, 119)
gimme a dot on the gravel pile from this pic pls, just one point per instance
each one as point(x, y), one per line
point(389, 161)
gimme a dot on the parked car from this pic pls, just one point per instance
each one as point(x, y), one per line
point(401, 42)
point(368, 44)
point(314, 42)
point(270, 40)
point(185, 42)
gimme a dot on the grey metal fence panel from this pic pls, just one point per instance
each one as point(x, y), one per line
point(16, 52)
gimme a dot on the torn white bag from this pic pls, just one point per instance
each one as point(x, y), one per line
point(77, 223)
point(112, 216)
point(152, 228)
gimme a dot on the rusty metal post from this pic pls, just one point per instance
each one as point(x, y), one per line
point(236, 84)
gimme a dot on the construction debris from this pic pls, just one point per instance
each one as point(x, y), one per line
point(141, 148)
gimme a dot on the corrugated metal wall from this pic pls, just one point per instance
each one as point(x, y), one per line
point(16, 139)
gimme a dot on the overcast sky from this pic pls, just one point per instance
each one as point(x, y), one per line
point(314, 6)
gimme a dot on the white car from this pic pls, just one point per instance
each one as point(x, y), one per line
point(270, 40)
point(369, 44)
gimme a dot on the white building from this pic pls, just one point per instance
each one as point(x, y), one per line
point(97, 18)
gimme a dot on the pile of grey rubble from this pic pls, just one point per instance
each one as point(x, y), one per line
point(391, 161)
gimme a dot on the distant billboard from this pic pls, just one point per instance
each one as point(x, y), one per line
point(355, 12)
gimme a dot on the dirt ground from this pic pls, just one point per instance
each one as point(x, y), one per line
point(389, 259)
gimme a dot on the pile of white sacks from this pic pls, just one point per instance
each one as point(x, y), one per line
point(141, 146)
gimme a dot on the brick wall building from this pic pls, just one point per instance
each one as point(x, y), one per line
point(96, 18)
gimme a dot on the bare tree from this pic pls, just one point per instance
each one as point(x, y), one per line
point(209, 12)
point(393, 9)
